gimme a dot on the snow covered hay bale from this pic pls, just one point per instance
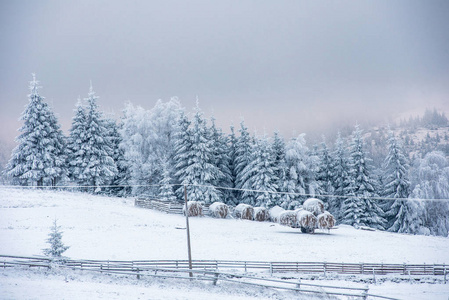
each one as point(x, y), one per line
point(244, 211)
point(288, 218)
point(261, 214)
point(275, 213)
point(194, 209)
point(306, 220)
point(219, 210)
point(326, 220)
point(314, 205)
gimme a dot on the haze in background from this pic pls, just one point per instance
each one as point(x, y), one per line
point(292, 66)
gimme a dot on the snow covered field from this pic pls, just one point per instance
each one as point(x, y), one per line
point(97, 227)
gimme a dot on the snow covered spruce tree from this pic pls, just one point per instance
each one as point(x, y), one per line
point(399, 213)
point(259, 176)
point(166, 192)
point(242, 157)
point(38, 159)
point(325, 171)
point(195, 162)
point(55, 240)
point(339, 177)
point(221, 159)
point(361, 210)
point(120, 183)
point(93, 163)
point(76, 144)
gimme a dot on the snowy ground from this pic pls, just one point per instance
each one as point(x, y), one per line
point(98, 227)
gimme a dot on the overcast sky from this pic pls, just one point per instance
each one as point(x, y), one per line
point(287, 65)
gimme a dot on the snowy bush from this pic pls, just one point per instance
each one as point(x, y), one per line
point(306, 220)
point(315, 206)
point(325, 220)
point(244, 211)
point(218, 210)
point(261, 214)
point(194, 209)
point(275, 212)
point(55, 241)
point(288, 218)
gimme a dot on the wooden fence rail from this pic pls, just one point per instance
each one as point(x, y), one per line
point(272, 267)
point(146, 268)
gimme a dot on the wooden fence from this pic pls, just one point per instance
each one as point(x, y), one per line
point(272, 267)
point(165, 206)
point(151, 269)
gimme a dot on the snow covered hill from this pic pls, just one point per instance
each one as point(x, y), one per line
point(97, 227)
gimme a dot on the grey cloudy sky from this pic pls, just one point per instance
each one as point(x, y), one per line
point(287, 65)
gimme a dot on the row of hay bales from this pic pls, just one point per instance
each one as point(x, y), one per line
point(308, 218)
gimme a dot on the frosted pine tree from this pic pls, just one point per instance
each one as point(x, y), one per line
point(166, 192)
point(183, 144)
point(38, 159)
point(396, 185)
point(339, 177)
point(199, 172)
point(278, 147)
point(76, 144)
point(232, 200)
point(99, 166)
point(221, 159)
point(120, 183)
point(55, 240)
point(260, 181)
point(325, 172)
point(242, 158)
point(362, 185)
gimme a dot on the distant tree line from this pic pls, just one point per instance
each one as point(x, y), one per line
point(156, 152)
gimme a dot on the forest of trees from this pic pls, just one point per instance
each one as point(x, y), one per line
point(156, 152)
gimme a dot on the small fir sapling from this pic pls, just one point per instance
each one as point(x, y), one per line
point(56, 245)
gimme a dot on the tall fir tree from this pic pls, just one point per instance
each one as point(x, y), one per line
point(396, 185)
point(166, 192)
point(362, 185)
point(325, 172)
point(198, 172)
point(76, 144)
point(259, 176)
point(39, 158)
point(221, 158)
point(95, 160)
point(243, 148)
point(339, 177)
point(120, 183)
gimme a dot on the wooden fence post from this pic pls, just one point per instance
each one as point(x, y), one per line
point(215, 278)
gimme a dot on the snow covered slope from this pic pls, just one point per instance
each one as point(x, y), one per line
point(97, 227)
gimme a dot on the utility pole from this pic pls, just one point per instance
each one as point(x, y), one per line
point(188, 231)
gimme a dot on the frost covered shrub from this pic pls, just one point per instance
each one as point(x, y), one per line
point(244, 211)
point(55, 241)
point(194, 209)
point(261, 214)
point(218, 210)
point(275, 212)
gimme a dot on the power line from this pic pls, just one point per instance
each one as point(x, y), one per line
point(222, 188)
